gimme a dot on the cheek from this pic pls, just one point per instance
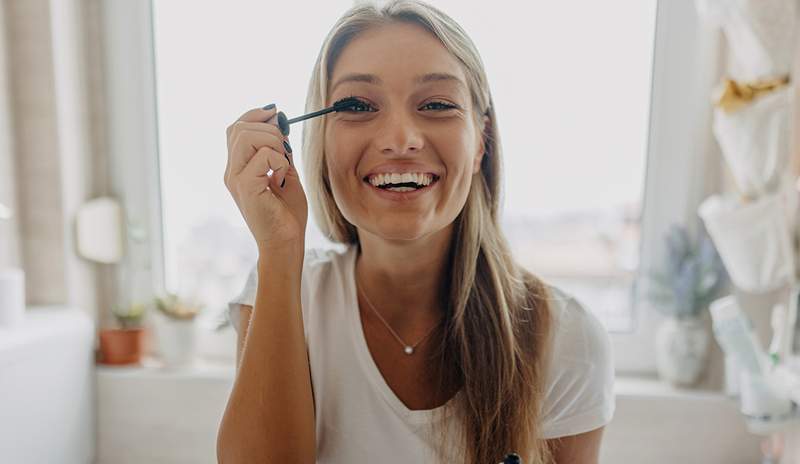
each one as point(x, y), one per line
point(342, 153)
point(458, 155)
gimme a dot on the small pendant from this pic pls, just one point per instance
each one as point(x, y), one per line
point(409, 350)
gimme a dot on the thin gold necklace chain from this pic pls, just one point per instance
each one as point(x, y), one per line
point(408, 349)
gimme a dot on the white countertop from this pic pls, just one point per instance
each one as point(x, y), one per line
point(44, 323)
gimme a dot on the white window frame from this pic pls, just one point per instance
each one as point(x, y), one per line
point(678, 174)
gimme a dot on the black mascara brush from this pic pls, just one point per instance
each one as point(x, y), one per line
point(511, 458)
point(340, 105)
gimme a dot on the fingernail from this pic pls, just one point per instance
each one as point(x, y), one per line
point(269, 107)
point(287, 146)
point(283, 182)
point(283, 123)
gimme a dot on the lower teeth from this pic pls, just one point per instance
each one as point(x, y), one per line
point(400, 189)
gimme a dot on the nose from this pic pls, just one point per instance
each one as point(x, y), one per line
point(399, 134)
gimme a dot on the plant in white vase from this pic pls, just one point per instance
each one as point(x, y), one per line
point(691, 278)
point(176, 329)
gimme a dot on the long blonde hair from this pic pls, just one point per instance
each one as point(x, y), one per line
point(496, 338)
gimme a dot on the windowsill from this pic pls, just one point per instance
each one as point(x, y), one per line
point(629, 385)
point(155, 368)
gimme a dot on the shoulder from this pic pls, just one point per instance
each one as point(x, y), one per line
point(579, 385)
point(315, 261)
point(578, 333)
point(326, 263)
point(323, 271)
point(323, 256)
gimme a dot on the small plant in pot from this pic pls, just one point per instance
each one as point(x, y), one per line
point(124, 345)
point(176, 331)
point(692, 277)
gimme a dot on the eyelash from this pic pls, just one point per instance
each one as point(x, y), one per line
point(446, 106)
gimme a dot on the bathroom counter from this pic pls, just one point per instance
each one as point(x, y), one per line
point(174, 411)
point(47, 387)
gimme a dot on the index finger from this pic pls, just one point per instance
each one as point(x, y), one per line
point(258, 114)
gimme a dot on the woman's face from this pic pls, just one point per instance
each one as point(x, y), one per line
point(416, 117)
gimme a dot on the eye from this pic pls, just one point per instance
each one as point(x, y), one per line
point(358, 106)
point(441, 106)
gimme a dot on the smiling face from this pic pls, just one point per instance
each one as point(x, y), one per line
point(416, 118)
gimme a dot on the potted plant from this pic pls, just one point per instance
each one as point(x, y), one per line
point(692, 277)
point(124, 345)
point(176, 329)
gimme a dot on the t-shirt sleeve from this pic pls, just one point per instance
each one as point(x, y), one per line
point(247, 296)
point(579, 393)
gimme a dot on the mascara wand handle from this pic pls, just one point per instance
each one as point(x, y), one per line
point(283, 122)
point(311, 115)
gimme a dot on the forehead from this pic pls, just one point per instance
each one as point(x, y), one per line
point(397, 54)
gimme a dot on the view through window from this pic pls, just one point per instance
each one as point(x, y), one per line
point(571, 83)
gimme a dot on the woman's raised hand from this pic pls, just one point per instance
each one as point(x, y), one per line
point(275, 213)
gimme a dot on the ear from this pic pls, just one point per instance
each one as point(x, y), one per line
point(476, 166)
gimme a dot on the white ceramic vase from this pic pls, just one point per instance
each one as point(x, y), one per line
point(682, 350)
point(177, 340)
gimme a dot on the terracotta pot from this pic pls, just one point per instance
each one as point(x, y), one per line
point(121, 346)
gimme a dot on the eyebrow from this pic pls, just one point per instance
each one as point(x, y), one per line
point(375, 80)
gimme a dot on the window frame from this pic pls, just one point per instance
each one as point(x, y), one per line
point(680, 150)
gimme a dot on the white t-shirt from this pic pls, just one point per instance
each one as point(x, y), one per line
point(358, 416)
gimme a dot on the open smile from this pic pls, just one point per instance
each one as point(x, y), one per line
point(401, 191)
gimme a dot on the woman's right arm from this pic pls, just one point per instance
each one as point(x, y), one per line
point(270, 412)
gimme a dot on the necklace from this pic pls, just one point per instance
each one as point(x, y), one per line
point(408, 349)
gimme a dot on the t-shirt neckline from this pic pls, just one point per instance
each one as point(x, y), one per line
point(418, 416)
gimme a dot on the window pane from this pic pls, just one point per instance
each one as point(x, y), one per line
point(214, 61)
point(571, 83)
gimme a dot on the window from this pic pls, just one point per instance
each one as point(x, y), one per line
point(228, 57)
point(574, 138)
point(597, 146)
point(573, 107)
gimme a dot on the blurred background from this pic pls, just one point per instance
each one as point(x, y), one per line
point(120, 245)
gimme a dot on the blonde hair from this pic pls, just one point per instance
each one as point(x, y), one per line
point(496, 338)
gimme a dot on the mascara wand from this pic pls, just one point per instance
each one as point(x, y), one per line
point(283, 121)
point(511, 458)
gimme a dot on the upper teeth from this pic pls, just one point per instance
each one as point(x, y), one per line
point(394, 178)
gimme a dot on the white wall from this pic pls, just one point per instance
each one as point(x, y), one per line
point(9, 238)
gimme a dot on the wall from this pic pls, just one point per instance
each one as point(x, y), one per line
point(9, 236)
point(52, 159)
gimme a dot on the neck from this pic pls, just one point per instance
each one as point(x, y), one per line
point(402, 279)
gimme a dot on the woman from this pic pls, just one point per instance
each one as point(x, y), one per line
point(424, 341)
